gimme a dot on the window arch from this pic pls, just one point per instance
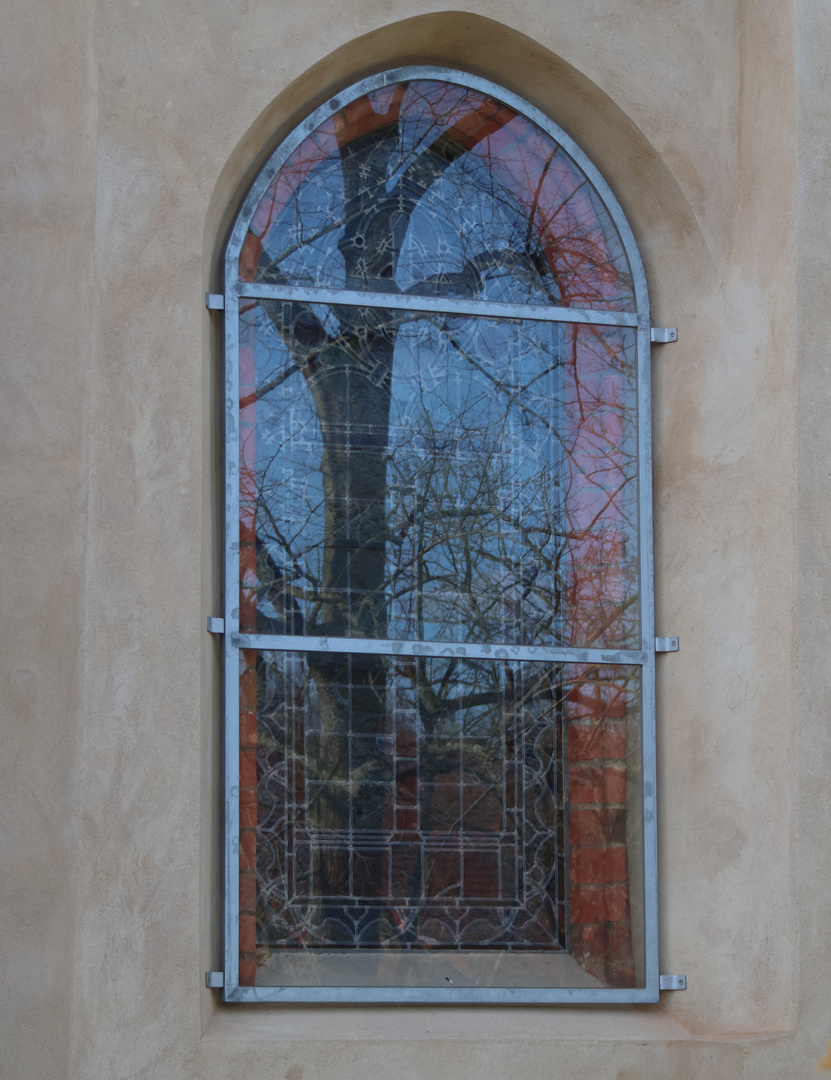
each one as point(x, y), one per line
point(439, 650)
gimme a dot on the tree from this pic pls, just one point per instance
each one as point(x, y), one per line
point(408, 516)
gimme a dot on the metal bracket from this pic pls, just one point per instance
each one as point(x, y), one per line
point(672, 982)
point(659, 335)
point(667, 644)
point(215, 301)
point(216, 626)
point(215, 980)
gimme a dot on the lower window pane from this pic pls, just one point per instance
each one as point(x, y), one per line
point(439, 821)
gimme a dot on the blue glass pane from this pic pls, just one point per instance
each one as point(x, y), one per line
point(430, 188)
point(437, 478)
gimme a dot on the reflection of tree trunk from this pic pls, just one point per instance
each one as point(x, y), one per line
point(352, 398)
point(353, 411)
point(349, 375)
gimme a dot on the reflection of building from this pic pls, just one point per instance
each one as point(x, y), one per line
point(132, 136)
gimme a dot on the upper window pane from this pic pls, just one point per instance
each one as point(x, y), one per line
point(437, 478)
point(430, 188)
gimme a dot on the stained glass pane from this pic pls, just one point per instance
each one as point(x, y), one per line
point(437, 478)
point(443, 816)
point(431, 188)
point(411, 478)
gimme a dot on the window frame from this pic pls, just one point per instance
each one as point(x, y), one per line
point(236, 290)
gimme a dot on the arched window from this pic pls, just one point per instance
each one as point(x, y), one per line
point(439, 650)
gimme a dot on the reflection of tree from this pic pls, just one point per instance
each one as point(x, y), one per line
point(419, 524)
point(463, 735)
point(504, 486)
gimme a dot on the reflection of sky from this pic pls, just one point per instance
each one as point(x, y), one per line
point(462, 214)
point(289, 448)
point(501, 466)
point(513, 191)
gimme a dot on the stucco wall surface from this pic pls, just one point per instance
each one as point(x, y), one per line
point(47, 190)
point(130, 134)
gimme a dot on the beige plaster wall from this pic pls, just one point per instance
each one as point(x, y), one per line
point(47, 190)
point(132, 132)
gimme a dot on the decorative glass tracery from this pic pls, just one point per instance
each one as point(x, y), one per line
point(440, 613)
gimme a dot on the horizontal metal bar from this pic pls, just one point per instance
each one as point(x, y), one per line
point(667, 644)
point(434, 304)
point(663, 335)
point(672, 982)
point(214, 980)
point(216, 626)
point(465, 651)
point(425, 995)
point(214, 301)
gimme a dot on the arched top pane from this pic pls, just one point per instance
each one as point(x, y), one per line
point(429, 188)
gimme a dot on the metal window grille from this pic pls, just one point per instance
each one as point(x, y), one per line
point(450, 853)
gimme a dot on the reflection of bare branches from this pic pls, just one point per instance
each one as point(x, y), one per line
point(477, 146)
point(434, 478)
point(268, 386)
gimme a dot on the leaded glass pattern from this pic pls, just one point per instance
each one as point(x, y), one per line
point(438, 380)
point(428, 188)
point(443, 829)
point(437, 478)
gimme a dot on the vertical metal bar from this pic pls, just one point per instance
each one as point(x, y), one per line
point(647, 571)
point(231, 654)
point(562, 724)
